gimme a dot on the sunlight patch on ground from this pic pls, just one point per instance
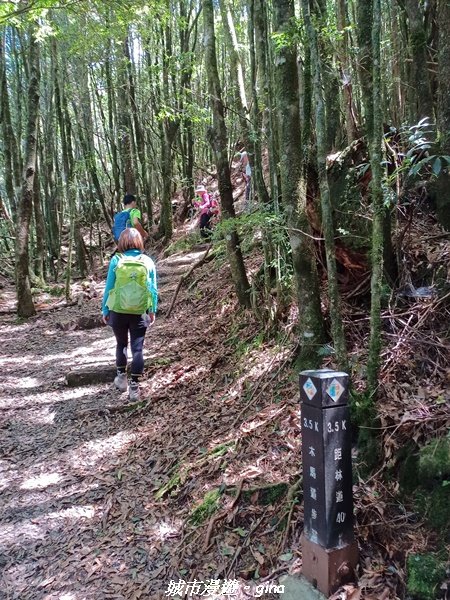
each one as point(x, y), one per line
point(28, 401)
point(41, 481)
point(18, 533)
point(27, 383)
point(74, 512)
point(7, 474)
point(185, 259)
point(91, 453)
point(165, 530)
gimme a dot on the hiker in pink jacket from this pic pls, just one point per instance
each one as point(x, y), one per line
point(203, 204)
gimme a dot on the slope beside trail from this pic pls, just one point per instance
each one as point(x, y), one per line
point(78, 478)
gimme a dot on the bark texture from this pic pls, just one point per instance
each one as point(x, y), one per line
point(25, 305)
point(219, 142)
point(293, 192)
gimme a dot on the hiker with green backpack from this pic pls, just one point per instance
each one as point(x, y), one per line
point(129, 305)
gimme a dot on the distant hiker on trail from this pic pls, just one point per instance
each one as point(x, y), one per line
point(130, 216)
point(129, 305)
point(207, 206)
point(246, 169)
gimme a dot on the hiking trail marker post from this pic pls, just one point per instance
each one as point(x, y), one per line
point(328, 544)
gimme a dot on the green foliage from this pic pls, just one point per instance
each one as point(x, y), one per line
point(417, 160)
point(364, 418)
point(424, 476)
point(425, 573)
point(434, 461)
point(170, 486)
point(206, 508)
point(267, 495)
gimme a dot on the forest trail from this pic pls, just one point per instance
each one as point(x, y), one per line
point(77, 513)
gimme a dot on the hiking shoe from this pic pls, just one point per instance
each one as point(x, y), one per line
point(133, 392)
point(120, 381)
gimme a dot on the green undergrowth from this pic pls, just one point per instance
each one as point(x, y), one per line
point(364, 429)
point(206, 508)
point(425, 574)
point(181, 472)
point(424, 478)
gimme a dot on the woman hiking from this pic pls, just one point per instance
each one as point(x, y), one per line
point(129, 306)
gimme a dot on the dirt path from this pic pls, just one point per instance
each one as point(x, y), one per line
point(77, 519)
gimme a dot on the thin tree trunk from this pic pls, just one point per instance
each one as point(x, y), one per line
point(139, 134)
point(25, 305)
point(420, 99)
point(125, 130)
point(351, 122)
point(256, 117)
point(327, 216)
point(377, 208)
point(40, 231)
point(293, 190)
point(443, 112)
point(112, 129)
point(219, 143)
point(10, 150)
point(364, 15)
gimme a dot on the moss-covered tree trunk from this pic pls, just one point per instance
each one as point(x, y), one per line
point(443, 112)
point(41, 250)
point(10, 149)
point(377, 207)
point(364, 15)
point(219, 143)
point(125, 129)
point(351, 119)
point(25, 306)
point(420, 100)
point(139, 133)
point(327, 216)
point(293, 191)
point(169, 131)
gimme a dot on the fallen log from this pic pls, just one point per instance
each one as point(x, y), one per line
point(89, 376)
point(96, 374)
point(81, 322)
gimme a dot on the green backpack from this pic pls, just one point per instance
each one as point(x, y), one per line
point(130, 294)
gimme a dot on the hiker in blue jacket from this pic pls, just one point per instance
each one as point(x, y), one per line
point(129, 305)
point(130, 216)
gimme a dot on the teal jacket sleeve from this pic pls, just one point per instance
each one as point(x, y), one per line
point(152, 284)
point(110, 281)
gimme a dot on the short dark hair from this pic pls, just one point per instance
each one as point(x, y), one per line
point(130, 239)
point(128, 199)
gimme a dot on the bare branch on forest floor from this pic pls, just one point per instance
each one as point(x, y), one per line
point(183, 278)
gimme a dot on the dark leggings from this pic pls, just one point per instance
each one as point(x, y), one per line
point(205, 225)
point(137, 326)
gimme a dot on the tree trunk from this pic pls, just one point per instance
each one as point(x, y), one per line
point(442, 188)
point(256, 116)
point(294, 192)
point(420, 99)
point(327, 217)
point(377, 207)
point(364, 14)
point(10, 150)
point(139, 134)
point(40, 231)
point(125, 129)
point(351, 122)
point(219, 144)
point(25, 306)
